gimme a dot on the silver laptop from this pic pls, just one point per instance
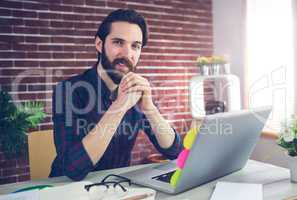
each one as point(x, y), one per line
point(223, 145)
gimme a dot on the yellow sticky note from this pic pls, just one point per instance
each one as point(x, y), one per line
point(175, 177)
point(190, 138)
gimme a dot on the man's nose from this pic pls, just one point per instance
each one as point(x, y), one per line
point(127, 52)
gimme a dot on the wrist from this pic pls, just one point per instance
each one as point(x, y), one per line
point(151, 108)
point(118, 107)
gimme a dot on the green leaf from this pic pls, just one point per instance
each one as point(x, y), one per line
point(15, 121)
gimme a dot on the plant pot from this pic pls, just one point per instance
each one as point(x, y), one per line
point(293, 168)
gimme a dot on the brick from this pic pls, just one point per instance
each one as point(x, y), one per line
point(72, 48)
point(37, 39)
point(23, 13)
point(50, 47)
point(5, 12)
point(73, 2)
point(5, 29)
point(96, 3)
point(11, 38)
point(36, 6)
point(47, 15)
point(117, 4)
point(63, 55)
point(13, 54)
point(14, 88)
point(27, 30)
point(5, 46)
point(85, 25)
point(36, 23)
point(63, 8)
point(85, 55)
point(72, 17)
point(36, 87)
point(39, 55)
point(11, 4)
point(26, 63)
point(5, 80)
point(24, 47)
point(62, 40)
point(13, 171)
point(51, 1)
point(11, 21)
point(6, 64)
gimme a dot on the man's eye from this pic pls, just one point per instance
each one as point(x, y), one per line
point(118, 42)
point(136, 46)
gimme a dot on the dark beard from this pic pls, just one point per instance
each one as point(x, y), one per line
point(109, 67)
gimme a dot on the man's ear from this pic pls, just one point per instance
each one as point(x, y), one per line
point(98, 44)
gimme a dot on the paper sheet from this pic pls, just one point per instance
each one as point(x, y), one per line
point(28, 195)
point(76, 191)
point(235, 191)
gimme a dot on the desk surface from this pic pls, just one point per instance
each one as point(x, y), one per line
point(275, 180)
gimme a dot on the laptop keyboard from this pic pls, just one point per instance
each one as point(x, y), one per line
point(164, 177)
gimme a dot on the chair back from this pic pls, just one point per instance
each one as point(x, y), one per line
point(42, 152)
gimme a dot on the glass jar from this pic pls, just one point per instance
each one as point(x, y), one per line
point(214, 90)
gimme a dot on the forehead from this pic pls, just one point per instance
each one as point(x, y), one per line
point(126, 31)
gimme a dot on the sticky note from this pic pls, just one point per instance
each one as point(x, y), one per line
point(182, 157)
point(175, 177)
point(190, 138)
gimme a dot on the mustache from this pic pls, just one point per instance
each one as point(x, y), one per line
point(124, 61)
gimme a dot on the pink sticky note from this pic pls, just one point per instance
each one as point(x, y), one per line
point(182, 157)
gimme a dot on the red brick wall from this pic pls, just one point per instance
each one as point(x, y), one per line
point(45, 41)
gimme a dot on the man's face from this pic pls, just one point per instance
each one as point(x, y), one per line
point(121, 50)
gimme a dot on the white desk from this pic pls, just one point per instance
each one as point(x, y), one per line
point(275, 180)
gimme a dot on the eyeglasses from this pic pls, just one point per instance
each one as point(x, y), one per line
point(103, 189)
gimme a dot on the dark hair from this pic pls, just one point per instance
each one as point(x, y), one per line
point(125, 15)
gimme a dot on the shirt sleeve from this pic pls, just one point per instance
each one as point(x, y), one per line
point(171, 152)
point(73, 160)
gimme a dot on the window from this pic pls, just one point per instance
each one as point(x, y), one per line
point(269, 56)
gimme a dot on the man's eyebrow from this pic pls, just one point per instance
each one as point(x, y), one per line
point(138, 42)
point(120, 39)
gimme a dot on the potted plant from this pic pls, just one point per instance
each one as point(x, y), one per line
point(211, 65)
point(15, 121)
point(288, 141)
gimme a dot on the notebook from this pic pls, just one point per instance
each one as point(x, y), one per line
point(235, 191)
point(76, 191)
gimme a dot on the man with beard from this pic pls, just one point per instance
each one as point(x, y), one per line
point(98, 114)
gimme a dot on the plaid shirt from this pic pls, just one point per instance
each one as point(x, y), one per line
point(78, 105)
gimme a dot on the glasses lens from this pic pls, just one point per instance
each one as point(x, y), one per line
point(97, 192)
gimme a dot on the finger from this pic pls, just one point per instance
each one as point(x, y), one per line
point(127, 77)
point(137, 82)
point(137, 88)
point(132, 82)
point(131, 77)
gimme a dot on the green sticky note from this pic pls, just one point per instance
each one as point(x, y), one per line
point(175, 177)
point(190, 138)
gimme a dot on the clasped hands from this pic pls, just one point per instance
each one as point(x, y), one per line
point(134, 89)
